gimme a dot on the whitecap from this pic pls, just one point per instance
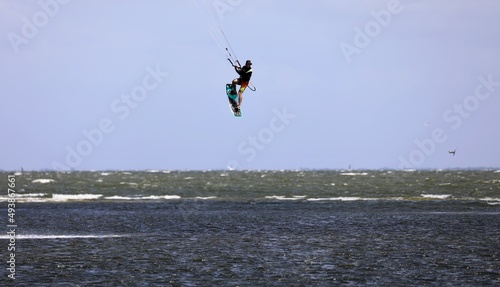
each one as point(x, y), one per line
point(43, 180)
point(151, 197)
point(30, 194)
point(354, 173)
point(63, 236)
point(347, 198)
point(282, 197)
point(66, 197)
point(436, 196)
point(489, 199)
point(117, 197)
point(39, 197)
point(161, 197)
point(206, 197)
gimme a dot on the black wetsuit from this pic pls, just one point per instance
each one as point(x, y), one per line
point(244, 72)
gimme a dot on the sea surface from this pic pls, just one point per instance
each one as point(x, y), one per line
point(252, 228)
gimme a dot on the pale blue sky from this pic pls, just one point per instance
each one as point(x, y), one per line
point(371, 84)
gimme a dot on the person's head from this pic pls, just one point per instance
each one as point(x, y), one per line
point(248, 63)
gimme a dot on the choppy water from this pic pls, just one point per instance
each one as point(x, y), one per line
point(256, 228)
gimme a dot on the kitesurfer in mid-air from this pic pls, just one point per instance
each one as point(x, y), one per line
point(245, 73)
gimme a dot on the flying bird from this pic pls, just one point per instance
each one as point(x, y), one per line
point(452, 152)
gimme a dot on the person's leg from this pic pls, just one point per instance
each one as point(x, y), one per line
point(235, 82)
point(240, 98)
point(240, 92)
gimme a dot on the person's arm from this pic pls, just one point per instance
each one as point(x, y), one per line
point(237, 69)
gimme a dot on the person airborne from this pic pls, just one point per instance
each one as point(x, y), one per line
point(245, 73)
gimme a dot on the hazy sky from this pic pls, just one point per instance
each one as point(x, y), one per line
point(95, 85)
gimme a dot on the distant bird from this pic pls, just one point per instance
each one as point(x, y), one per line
point(427, 124)
point(452, 152)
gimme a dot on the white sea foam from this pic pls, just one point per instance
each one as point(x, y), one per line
point(436, 196)
point(354, 173)
point(206, 197)
point(29, 197)
point(43, 180)
point(151, 197)
point(490, 199)
point(161, 197)
point(117, 197)
point(61, 236)
point(40, 197)
point(66, 197)
point(30, 194)
point(347, 198)
point(282, 197)
point(36, 199)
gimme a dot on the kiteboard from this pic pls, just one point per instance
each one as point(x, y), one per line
point(233, 104)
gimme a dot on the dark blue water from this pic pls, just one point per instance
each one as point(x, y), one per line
point(317, 234)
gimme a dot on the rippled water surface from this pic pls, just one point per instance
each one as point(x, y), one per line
point(217, 228)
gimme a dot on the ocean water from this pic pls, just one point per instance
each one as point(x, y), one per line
point(253, 228)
